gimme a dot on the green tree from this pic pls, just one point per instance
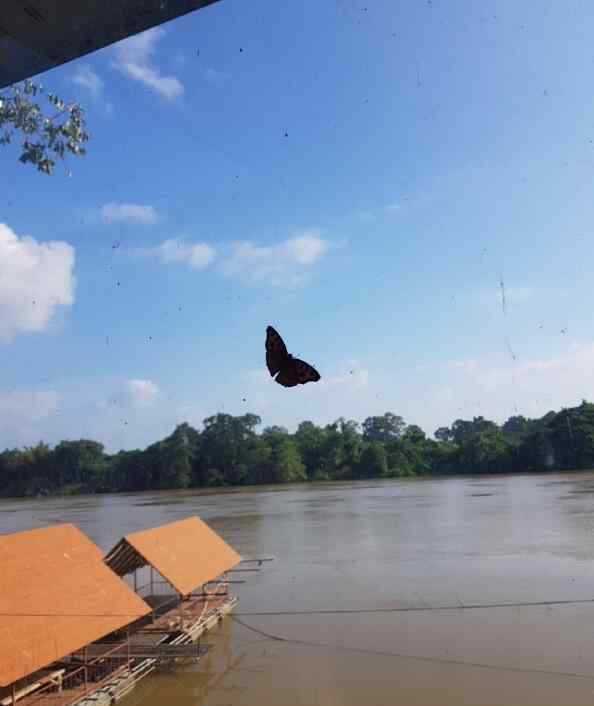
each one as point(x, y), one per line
point(486, 451)
point(463, 430)
point(571, 434)
point(310, 442)
point(340, 450)
point(444, 434)
point(130, 471)
point(518, 426)
point(351, 446)
point(285, 465)
point(80, 464)
point(227, 446)
point(373, 462)
point(416, 452)
point(44, 137)
point(383, 429)
point(26, 472)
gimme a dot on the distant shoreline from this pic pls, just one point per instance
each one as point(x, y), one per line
point(229, 453)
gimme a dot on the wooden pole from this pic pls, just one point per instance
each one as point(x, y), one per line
point(128, 646)
point(86, 669)
point(152, 579)
point(13, 693)
point(135, 581)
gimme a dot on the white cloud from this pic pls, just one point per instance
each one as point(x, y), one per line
point(87, 78)
point(133, 58)
point(120, 413)
point(25, 405)
point(281, 265)
point(498, 389)
point(197, 256)
point(128, 213)
point(35, 279)
point(141, 392)
point(432, 395)
point(90, 80)
point(134, 412)
point(393, 207)
point(574, 369)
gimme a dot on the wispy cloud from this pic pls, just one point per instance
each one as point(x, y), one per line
point(134, 58)
point(35, 280)
point(282, 265)
point(119, 412)
point(394, 206)
point(87, 78)
point(497, 388)
point(141, 392)
point(90, 80)
point(197, 256)
point(285, 264)
point(575, 366)
point(128, 213)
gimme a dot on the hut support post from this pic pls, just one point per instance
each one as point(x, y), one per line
point(86, 671)
point(13, 693)
point(128, 649)
point(135, 582)
point(152, 580)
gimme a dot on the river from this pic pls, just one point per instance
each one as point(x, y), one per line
point(380, 545)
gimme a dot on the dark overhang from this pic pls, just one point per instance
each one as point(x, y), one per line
point(37, 35)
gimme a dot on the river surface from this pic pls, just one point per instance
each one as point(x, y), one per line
point(365, 546)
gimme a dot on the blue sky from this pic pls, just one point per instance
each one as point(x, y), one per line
point(362, 176)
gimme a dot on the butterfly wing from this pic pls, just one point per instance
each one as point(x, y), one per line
point(305, 372)
point(287, 376)
point(276, 351)
point(297, 372)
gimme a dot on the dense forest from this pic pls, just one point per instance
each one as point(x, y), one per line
point(230, 451)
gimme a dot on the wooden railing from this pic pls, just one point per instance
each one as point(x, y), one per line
point(87, 677)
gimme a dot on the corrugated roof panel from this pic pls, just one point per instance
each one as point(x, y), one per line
point(56, 596)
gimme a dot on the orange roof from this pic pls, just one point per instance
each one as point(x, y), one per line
point(56, 596)
point(187, 553)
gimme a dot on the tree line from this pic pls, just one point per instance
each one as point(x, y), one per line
point(229, 450)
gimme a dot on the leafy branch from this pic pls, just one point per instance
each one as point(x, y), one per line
point(44, 139)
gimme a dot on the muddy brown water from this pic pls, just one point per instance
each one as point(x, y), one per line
point(386, 544)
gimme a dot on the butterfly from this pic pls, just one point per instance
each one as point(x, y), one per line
point(291, 371)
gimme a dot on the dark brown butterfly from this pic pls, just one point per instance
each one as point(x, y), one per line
point(291, 371)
